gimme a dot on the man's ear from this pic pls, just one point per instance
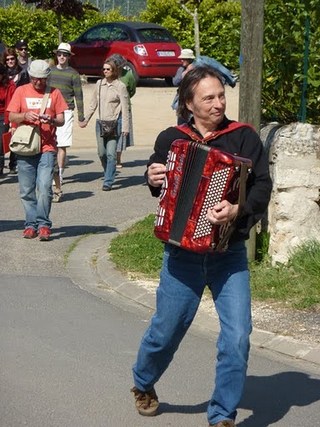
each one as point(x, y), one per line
point(189, 106)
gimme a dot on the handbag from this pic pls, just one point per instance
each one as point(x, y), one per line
point(26, 140)
point(108, 128)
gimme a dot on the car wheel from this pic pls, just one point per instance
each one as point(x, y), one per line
point(132, 68)
point(169, 82)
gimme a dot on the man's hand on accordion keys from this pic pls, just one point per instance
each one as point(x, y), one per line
point(156, 174)
point(222, 213)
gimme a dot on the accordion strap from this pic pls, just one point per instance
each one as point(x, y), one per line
point(185, 128)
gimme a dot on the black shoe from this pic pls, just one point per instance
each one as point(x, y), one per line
point(13, 171)
point(106, 188)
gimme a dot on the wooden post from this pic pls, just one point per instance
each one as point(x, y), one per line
point(252, 13)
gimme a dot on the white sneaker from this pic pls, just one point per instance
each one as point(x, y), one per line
point(57, 197)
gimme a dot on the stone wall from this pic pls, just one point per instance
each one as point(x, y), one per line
point(294, 210)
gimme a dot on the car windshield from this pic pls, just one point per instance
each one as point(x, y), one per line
point(155, 35)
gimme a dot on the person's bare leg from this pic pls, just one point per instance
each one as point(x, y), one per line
point(61, 157)
point(119, 158)
point(57, 193)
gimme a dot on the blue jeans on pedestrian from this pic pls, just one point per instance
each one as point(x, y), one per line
point(35, 174)
point(183, 278)
point(107, 152)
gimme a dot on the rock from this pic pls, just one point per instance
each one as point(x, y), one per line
point(294, 210)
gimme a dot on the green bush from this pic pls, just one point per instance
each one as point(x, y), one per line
point(219, 26)
point(284, 56)
point(220, 31)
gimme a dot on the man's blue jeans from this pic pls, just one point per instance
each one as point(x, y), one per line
point(35, 175)
point(107, 152)
point(183, 278)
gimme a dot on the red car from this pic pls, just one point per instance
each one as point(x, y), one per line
point(149, 49)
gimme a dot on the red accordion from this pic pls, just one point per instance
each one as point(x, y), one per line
point(197, 178)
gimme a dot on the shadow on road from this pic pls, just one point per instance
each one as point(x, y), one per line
point(80, 230)
point(135, 163)
point(69, 197)
point(129, 181)
point(270, 398)
point(183, 409)
point(8, 225)
point(83, 177)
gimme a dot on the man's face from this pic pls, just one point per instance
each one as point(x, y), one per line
point(63, 58)
point(38, 83)
point(209, 103)
point(23, 51)
point(185, 62)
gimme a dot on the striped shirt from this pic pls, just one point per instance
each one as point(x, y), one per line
point(67, 80)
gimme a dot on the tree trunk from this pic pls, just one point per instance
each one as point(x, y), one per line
point(196, 33)
point(252, 16)
point(59, 27)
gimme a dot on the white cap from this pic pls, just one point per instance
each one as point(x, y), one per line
point(39, 69)
point(186, 54)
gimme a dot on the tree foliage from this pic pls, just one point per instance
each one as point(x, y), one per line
point(67, 8)
point(63, 8)
point(219, 24)
point(284, 60)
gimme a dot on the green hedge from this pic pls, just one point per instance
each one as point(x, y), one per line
point(284, 56)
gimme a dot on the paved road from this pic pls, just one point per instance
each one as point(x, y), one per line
point(69, 336)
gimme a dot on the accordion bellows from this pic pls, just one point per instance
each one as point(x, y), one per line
point(197, 178)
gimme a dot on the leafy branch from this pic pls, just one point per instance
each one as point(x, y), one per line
point(63, 8)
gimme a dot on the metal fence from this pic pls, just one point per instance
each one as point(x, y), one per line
point(127, 7)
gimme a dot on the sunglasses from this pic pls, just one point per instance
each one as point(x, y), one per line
point(23, 48)
point(107, 69)
point(62, 54)
point(11, 58)
point(35, 79)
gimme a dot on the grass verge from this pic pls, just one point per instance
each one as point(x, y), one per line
point(138, 252)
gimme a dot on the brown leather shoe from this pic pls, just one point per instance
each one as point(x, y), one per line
point(224, 423)
point(147, 402)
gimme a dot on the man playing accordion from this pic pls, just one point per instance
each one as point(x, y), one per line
point(185, 274)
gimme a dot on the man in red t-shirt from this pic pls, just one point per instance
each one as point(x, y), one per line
point(35, 173)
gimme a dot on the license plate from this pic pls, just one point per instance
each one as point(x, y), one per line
point(166, 53)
